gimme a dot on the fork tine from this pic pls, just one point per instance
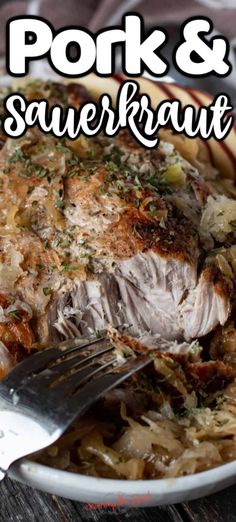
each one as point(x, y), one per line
point(84, 397)
point(72, 382)
point(72, 345)
point(61, 368)
point(49, 374)
point(81, 355)
point(39, 361)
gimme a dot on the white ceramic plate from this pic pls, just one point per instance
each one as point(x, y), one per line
point(128, 493)
point(141, 492)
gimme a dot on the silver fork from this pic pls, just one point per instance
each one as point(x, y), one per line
point(44, 394)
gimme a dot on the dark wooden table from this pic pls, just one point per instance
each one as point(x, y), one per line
point(22, 504)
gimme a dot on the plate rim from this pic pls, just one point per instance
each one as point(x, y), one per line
point(85, 488)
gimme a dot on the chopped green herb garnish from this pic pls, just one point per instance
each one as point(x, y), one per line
point(220, 399)
point(67, 267)
point(61, 148)
point(15, 314)
point(72, 173)
point(72, 161)
point(39, 172)
point(18, 155)
point(46, 291)
point(197, 348)
point(59, 203)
